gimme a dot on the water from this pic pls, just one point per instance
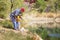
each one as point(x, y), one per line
point(44, 22)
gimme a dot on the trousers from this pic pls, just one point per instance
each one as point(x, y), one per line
point(15, 23)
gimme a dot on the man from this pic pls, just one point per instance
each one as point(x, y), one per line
point(15, 17)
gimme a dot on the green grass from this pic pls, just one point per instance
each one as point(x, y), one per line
point(43, 32)
point(10, 35)
point(7, 24)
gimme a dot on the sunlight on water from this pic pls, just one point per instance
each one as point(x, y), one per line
point(36, 20)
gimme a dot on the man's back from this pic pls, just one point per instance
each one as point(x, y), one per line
point(14, 13)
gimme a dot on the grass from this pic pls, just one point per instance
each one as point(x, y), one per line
point(43, 32)
point(10, 35)
point(7, 24)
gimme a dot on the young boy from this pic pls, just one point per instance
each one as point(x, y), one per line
point(16, 16)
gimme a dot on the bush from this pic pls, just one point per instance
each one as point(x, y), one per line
point(3, 16)
point(43, 32)
point(7, 24)
point(40, 4)
point(2, 6)
point(1, 23)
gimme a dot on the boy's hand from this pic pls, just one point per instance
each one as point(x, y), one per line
point(21, 17)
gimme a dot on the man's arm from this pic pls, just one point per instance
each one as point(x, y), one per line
point(20, 15)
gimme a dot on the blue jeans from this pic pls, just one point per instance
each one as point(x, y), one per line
point(16, 24)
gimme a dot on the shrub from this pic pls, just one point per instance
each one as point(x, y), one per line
point(7, 24)
point(2, 6)
point(40, 4)
point(1, 23)
point(3, 16)
point(43, 32)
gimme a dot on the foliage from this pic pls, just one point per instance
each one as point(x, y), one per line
point(58, 4)
point(11, 35)
point(5, 7)
point(55, 30)
point(41, 5)
point(2, 6)
point(43, 32)
point(7, 24)
point(17, 4)
point(3, 16)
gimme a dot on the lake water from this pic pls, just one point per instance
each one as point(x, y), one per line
point(43, 21)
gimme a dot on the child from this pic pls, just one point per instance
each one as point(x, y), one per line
point(15, 17)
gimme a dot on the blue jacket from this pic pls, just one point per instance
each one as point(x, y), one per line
point(14, 13)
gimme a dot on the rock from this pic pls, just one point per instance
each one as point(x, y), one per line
point(24, 31)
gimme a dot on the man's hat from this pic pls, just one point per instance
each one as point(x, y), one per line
point(22, 9)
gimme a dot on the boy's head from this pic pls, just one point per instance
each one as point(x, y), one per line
point(22, 10)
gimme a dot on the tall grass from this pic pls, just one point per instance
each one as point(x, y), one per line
point(10, 35)
point(44, 32)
